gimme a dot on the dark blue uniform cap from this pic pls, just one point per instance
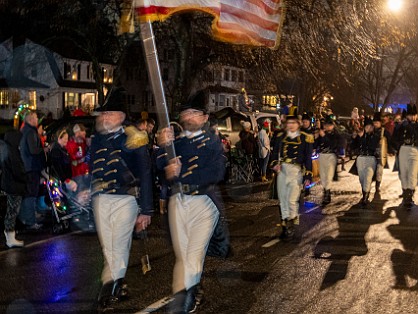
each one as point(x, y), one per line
point(115, 101)
point(196, 101)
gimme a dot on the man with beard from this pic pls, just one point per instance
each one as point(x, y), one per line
point(406, 139)
point(330, 145)
point(193, 208)
point(292, 160)
point(120, 165)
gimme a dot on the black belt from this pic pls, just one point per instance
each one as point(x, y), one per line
point(190, 189)
point(413, 145)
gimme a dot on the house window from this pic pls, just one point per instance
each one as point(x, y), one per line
point(234, 76)
point(79, 72)
point(88, 71)
point(148, 99)
point(227, 102)
point(226, 74)
point(71, 100)
point(241, 76)
point(221, 100)
point(67, 70)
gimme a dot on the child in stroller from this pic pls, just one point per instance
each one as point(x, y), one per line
point(71, 204)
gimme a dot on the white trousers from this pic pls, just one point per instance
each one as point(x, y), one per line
point(408, 166)
point(289, 185)
point(366, 166)
point(327, 166)
point(192, 221)
point(115, 217)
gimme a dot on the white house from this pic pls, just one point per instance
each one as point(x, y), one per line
point(45, 80)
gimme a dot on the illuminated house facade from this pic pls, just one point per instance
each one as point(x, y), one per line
point(48, 82)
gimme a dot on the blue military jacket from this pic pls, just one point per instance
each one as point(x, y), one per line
point(203, 162)
point(331, 143)
point(116, 169)
point(296, 151)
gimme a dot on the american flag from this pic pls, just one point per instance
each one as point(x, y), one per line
point(249, 22)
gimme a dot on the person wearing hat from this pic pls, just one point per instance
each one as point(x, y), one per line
point(120, 165)
point(331, 145)
point(248, 142)
point(307, 123)
point(244, 101)
point(383, 148)
point(263, 149)
point(193, 207)
point(77, 149)
point(406, 139)
point(366, 142)
point(292, 160)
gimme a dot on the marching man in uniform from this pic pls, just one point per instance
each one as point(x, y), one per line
point(406, 137)
point(120, 164)
point(382, 149)
point(366, 142)
point(330, 145)
point(292, 160)
point(193, 208)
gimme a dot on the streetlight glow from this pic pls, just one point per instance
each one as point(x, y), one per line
point(395, 5)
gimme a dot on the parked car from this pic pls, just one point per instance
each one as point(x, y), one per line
point(229, 121)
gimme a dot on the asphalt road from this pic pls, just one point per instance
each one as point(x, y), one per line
point(344, 259)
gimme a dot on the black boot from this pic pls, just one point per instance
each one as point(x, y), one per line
point(403, 193)
point(190, 305)
point(365, 199)
point(290, 229)
point(407, 198)
point(177, 305)
point(106, 300)
point(284, 232)
point(111, 293)
point(120, 289)
point(378, 186)
point(327, 197)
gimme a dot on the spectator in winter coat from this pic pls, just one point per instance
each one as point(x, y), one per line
point(248, 142)
point(13, 182)
point(33, 157)
point(59, 158)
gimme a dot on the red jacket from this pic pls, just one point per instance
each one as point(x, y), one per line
point(77, 149)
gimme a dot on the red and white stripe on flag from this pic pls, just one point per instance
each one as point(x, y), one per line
point(250, 22)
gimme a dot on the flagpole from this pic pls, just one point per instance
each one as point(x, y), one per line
point(155, 78)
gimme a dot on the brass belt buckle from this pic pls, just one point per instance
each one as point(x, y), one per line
point(185, 188)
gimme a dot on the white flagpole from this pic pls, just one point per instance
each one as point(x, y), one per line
point(155, 78)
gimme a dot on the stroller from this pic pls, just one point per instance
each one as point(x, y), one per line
point(71, 204)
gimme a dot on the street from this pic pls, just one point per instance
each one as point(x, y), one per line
point(344, 259)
